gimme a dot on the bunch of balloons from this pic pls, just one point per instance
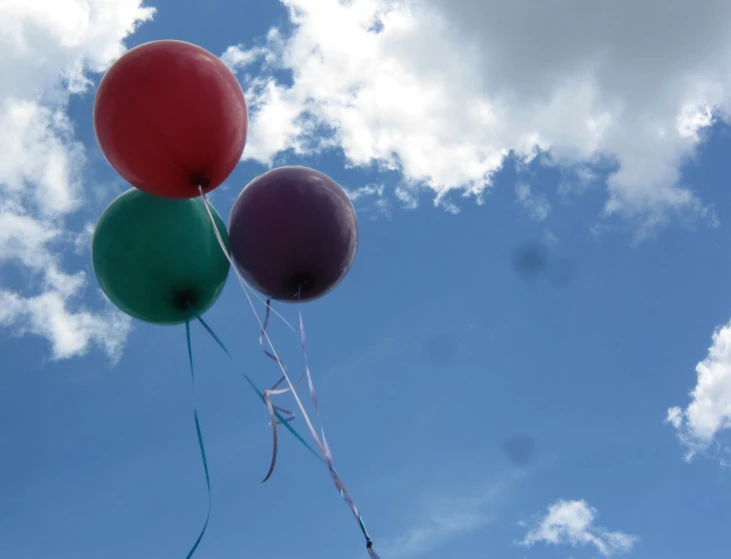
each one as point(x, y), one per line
point(172, 120)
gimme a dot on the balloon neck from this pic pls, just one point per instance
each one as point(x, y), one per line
point(199, 180)
point(185, 300)
point(300, 284)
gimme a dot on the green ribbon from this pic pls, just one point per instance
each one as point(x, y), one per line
point(255, 388)
point(200, 442)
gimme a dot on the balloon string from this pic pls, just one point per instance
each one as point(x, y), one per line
point(253, 385)
point(341, 488)
point(324, 448)
point(245, 286)
point(273, 354)
point(328, 454)
point(263, 334)
point(273, 391)
point(266, 335)
point(200, 442)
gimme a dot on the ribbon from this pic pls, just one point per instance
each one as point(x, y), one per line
point(273, 391)
point(325, 453)
point(200, 443)
point(252, 384)
point(328, 454)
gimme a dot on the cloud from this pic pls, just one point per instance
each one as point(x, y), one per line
point(48, 49)
point(450, 516)
point(536, 205)
point(445, 90)
point(440, 528)
point(370, 198)
point(364, 191)
point(572, 523)
point(709, 411)
point(69, 331)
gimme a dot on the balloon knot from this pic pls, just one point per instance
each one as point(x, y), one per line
point(369, 544)
point(200, 179)
point(300, 283)
point(185, 299)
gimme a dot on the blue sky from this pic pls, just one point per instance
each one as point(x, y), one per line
point(542, 265)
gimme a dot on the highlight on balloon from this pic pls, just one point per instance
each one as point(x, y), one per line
point(171, 119)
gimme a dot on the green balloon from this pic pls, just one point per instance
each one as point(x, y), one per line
point(152, 256)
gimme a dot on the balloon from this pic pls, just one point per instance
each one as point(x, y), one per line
point(169, 116)
point(151, 256)
point(292, 227)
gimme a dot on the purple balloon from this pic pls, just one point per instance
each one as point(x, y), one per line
point(292, 228)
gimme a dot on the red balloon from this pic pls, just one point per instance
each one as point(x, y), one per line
point(170, 116)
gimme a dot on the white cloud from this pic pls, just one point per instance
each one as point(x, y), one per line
point(48, 48)
point(444, 89)
point(572, 523)
point(70, 331)
point(550, 239)
point(709, 411)
point(536, 205)
point(365, 191)
point(440, 528)
point(450, 516)
point(581, 177)
point(374, 193)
